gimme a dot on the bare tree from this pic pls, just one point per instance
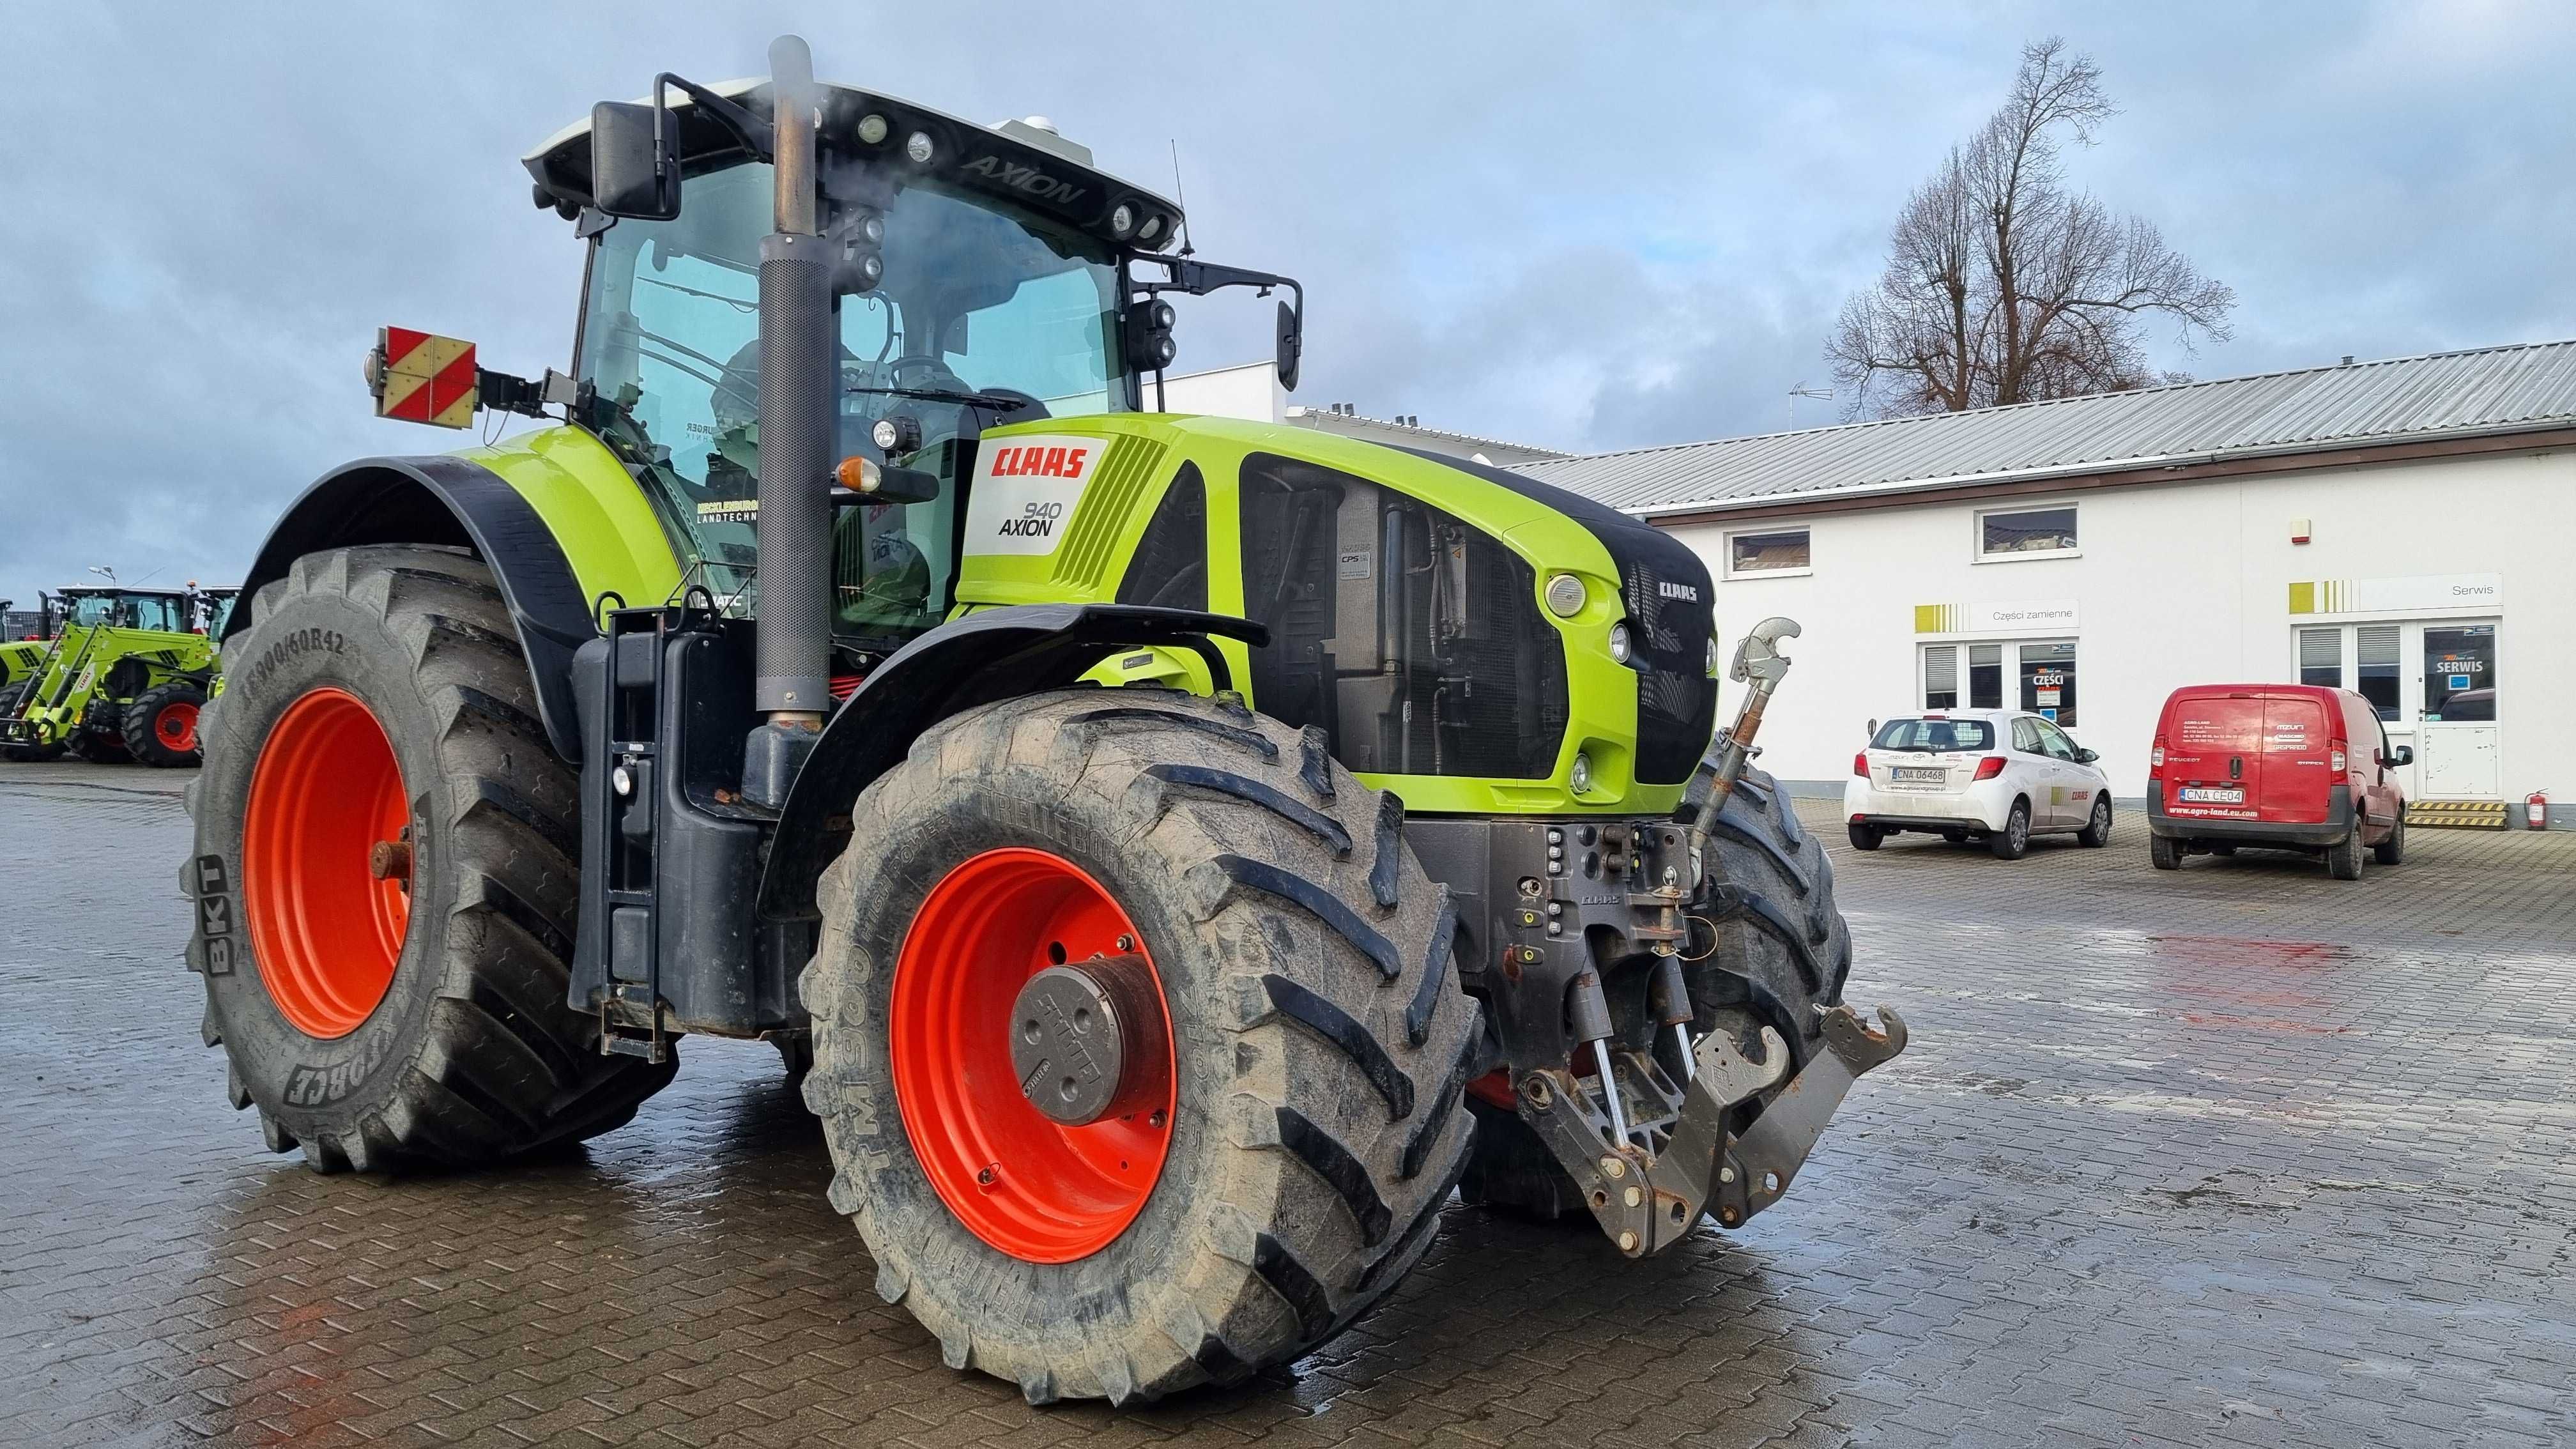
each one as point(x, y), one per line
point(2003, 286)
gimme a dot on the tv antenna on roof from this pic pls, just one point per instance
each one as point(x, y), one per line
point(1800, 389)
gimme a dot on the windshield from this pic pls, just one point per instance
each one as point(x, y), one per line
point(129, 611)
point(982, 317)
point(1934, 736)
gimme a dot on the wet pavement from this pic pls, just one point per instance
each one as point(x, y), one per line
point(2240, 1155)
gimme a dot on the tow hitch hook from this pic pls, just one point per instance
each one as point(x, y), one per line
point(1647, 1200)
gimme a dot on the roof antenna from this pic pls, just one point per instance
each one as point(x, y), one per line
point(1179, 200)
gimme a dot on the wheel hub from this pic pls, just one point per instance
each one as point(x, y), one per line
point(1087, 1040)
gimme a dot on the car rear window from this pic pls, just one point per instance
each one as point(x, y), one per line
point(1935, 735)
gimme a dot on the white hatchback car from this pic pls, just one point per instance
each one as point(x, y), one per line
point(2001, 774)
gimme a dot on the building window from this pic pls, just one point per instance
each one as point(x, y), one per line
point(1941, 676)
point(2026, 533)
point(2379, 667)
point(2375, 654)
point(1985, 676)
point(2046, 671)
point(1781, 552)
point(2321, 657)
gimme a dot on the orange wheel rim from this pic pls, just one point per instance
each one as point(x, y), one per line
point(176, 726)
point(327, 930)
point(1029, 1186)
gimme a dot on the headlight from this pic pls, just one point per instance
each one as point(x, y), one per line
point(1619, 642)
point(1122, 219)
point(1582, 777)
point(872, 129)
point(1565, 596)
point(1712, 656)
point(918, 147)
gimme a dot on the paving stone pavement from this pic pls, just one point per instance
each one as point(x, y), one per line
point(2235, 1156)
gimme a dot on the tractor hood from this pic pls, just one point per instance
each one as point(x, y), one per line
point(1022, 162)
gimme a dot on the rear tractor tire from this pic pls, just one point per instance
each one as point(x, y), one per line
point(1137, 1042)
point(96, 747)
point(1773, 964)
point(161, 724)
point(385, 872)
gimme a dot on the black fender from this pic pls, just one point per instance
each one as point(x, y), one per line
point(983, 657)
point(444, 500)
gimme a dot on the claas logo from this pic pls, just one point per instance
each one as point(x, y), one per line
point(421, 377)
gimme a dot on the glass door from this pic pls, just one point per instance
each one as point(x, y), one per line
point(2457, 737)
point(2048, 680)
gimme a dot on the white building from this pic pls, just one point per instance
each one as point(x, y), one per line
point(2402, 528)
point(1252, 392)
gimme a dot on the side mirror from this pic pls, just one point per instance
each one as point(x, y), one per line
point(1292, 344)
point(634, 162)
point(2085, 757)
point(1873, 728)
point(2405, 755)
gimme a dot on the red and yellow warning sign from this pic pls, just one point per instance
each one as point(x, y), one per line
point(422, 378)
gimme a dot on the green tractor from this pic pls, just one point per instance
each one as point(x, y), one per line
point(1176, 852)
point(122, 675)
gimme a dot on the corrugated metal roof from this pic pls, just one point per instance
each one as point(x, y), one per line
point(2406, 399)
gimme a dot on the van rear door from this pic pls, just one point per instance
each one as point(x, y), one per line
point(2297, 774)
point(2213, 754)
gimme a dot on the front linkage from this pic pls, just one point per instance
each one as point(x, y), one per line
point(1649, 1155)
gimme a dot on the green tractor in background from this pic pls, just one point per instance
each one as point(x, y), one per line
point(123, 675)
point(1176, 852)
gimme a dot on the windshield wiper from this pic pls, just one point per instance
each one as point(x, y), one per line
point(984, 400)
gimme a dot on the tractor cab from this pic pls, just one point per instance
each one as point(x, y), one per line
point(164, 611)
point(978, 276)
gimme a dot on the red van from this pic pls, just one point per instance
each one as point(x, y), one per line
point(2282, 766)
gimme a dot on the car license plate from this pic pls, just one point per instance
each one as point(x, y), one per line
point(1917, 775)
point(2212, 794)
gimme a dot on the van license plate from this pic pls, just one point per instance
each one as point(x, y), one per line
point(2212, 794)
point(1917, 775)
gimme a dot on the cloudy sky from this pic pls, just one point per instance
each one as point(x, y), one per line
point(1577, 227)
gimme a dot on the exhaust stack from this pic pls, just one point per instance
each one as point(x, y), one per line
point(798, 415)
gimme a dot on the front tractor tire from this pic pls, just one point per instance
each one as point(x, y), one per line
point(23, 754)
point(1137, 1042)
point(161, 724)
point(385, 872)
